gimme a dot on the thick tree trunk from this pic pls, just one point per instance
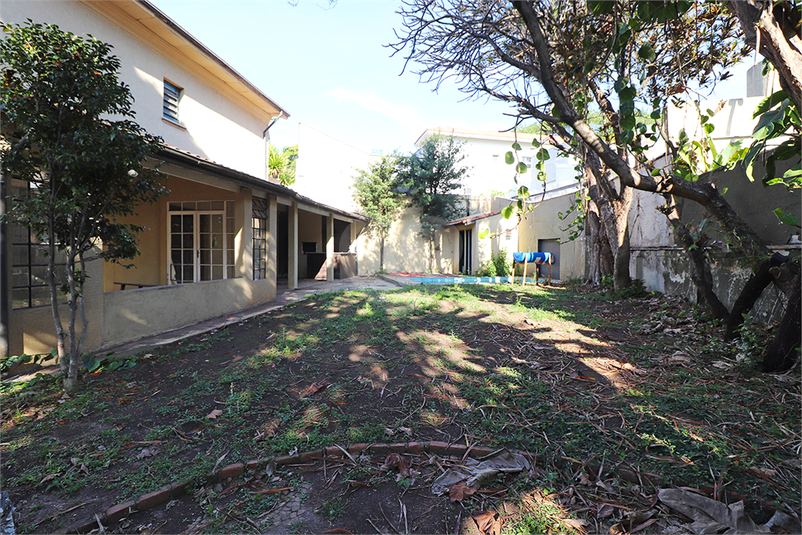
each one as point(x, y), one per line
point(751, 292)
point(594, 246)
point(782, 352)
point(601, 262)
point(700, 268)
point(613, 210)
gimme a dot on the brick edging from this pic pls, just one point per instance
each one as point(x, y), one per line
point(147, 501)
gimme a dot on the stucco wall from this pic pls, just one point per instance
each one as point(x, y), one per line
point(663, 266)
point(211, 125)
point(133, 314)
point(543, 223)
point(404, 249)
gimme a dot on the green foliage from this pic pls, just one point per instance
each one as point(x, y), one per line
point(69, 133)
point(695, 157)
point(779, 119)
point(502, 264)
point(376, 195)
point(9, 361)
point(281, 164)
point(787, 219)
point(429, 177)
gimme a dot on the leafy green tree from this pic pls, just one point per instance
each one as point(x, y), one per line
point(68, 131)
point(558, 60)
point(429, 177)
point(281, 164)
point(376, 195)
point(292, 158)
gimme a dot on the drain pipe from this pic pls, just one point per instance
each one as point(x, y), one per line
point(266, 138)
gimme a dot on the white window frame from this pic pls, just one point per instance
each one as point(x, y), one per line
point(196, 246)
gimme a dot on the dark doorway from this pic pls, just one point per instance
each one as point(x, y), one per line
point(465, 251)
point(553, 247)
point(342, 236)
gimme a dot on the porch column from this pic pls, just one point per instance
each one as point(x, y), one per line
point(292, 247)
point(272, 244)
point(330, 248)
point(243, 239)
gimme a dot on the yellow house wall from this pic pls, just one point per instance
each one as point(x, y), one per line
point(405, 251)
point(544, 224)
point(150, 267)
point(133, 314)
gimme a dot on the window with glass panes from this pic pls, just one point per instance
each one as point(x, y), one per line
point(259, 224)
point(201, 241)
point(29, 259)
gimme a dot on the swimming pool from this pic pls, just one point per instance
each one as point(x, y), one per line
point(465, 280)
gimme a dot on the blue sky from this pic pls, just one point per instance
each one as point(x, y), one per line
point(328, 68)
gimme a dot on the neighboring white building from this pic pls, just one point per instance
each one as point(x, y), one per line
point(488, 171)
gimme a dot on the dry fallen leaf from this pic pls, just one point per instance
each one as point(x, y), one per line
point(765, 472)
point(577, 525)
point(395, 460)
point(151, 451)
point(214, 414)
point(584, 479)
point(459, 491)
point(48, 478)
point(487, 522)
point(604, 510)
point(314, 388)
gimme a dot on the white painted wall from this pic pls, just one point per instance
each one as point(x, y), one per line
point(214, 126)
point(326, 167)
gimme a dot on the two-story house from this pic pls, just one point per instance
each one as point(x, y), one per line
point(224, 235)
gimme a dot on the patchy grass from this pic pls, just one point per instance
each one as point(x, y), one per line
point(615, 397)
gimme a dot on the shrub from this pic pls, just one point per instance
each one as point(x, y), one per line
point(501, 263)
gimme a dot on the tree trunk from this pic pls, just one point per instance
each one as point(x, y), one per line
point(63, 356)
point(700, 268)
point(774, 27)
point(782, 352)
point(71, 380)
point(381, 253)
point(613, 210)
point(751, 292)
point(594, 245)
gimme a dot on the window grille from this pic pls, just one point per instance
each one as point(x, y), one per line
point(259, 225)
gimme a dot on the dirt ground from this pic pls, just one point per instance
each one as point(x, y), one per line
point(372, 367)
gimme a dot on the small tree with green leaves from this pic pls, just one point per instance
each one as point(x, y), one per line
point(281, 164)
point(68, 131)
point(375, 194)
point(429, 177)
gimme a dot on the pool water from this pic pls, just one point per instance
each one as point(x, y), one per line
point(466, 280)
